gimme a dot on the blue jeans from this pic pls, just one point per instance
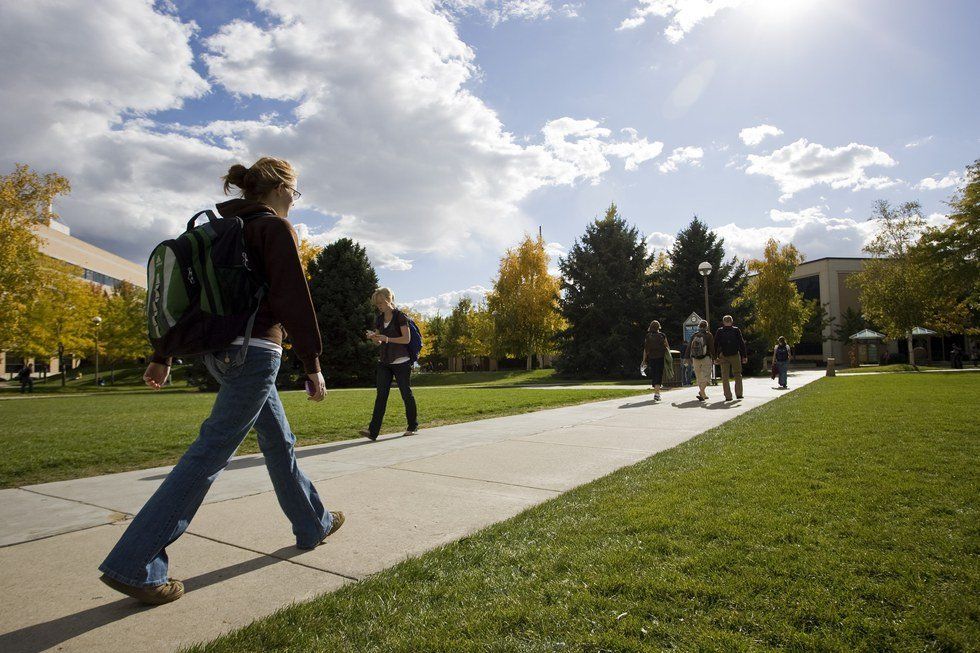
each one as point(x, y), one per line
point(247, 398)
point(686, 373)
point(782, 367)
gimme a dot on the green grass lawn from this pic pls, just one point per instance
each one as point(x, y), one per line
point(841, 517)
point(55, 438)
point(898, 367)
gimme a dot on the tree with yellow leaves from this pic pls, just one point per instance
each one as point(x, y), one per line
point(57, 319)
point(778, 307)
point(524, 301)
point(25, 200)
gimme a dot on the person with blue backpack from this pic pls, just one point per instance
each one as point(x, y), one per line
point(400, 344)
point(230, 290)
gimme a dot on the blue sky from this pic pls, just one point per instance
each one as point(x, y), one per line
point(437, 133)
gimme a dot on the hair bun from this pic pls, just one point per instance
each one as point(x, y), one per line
point(235, 177)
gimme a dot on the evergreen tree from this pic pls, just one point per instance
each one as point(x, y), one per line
point(605, 296)
point(683, 285)
point(341, 283)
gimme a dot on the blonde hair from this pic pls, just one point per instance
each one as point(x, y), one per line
point(265, 175)
point(384, 293)
point(654, 326)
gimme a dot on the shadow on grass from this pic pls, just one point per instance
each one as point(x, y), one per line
point(50, 634)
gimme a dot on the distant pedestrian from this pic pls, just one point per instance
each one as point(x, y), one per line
point(781, 355)
point(393, 334)
point(686, 370)
point(655, 348)
point(700, 350)
point(26, 378)
point(956, 358)
point(730, 355)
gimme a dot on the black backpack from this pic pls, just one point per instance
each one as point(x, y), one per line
point(202, 291)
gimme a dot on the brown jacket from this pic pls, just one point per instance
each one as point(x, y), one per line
point(655, 345)
point(287, 308)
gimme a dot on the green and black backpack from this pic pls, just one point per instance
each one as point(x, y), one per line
point(202, 291)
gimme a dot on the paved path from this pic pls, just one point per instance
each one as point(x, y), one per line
point(402, 496)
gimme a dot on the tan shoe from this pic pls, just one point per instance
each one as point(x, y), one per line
point(335, 524)
point(152, 595)
point(410, 432)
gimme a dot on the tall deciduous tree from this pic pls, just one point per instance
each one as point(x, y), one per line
point(58, 317)
point(25, 200)
point(123, 334)
point(341, 283)
point(433, 353)
point(952, 253)
point(780, 309)
point(307, 252)
point(458, 335)
point(605, 297)
point(524, 301)
point(896, 288)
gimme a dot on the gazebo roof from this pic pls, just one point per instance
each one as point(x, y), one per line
point(868, 334)
point(919, 331)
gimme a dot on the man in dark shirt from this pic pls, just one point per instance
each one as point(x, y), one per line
point(730, 354)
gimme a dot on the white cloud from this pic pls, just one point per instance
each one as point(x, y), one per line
point(754, 135)
point(801, 165)
point(444, 303)
point(688, 155)
point(813, 232)
point(682, 15)
point(384, 133)
point(659, 241)
point(499, 11)
point(810, 230)
point(919, 142)
point(951, 180)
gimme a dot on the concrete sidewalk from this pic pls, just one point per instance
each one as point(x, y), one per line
point(402, 497)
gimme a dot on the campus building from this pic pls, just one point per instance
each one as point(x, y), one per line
point(825, 280)
point(89, 262)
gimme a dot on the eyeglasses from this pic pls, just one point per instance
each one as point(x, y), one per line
point(296, 193)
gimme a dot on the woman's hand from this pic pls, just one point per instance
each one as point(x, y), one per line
point(319, 386)
point(156, 375)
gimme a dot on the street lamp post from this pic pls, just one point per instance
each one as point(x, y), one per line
point(705, 269)
point(97, 321)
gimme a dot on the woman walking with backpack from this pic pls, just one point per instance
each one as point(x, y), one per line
point(392, 333)
point(655, 348)
point(780, 356)
point(246, 368)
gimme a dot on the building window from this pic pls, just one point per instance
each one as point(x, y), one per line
point(809, 287)
point(98, 277)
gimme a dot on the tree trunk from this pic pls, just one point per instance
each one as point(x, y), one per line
point(911, 350)
point(530, 363)
point(61, 363)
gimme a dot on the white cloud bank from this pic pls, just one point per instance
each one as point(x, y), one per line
point(682, 15)
point(811, 230)
point(387, 139)
point(445, 302)
point(801, 165)
point(689, 155)
point(499, 11)
point(951, 180)
point(754, 135)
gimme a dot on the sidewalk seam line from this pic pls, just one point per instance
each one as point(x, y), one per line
point(481, 480)
point(269, 555)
